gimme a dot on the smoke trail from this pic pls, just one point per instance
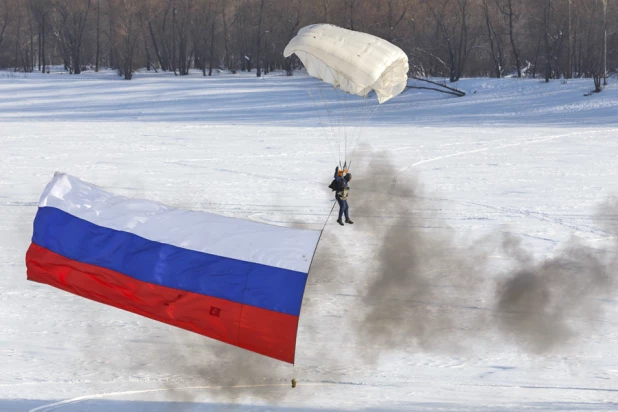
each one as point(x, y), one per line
point(404, 296)
point(240, 374)
point(538, 301)
point(178, 360)
point(426, 290)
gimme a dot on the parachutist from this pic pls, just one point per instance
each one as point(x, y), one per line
point(341, 194)
point(293, 383)
point(356, 64)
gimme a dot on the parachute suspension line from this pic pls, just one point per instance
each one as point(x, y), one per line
point(345, 126)
point(324, 133)
point(361, 126)
point(341, 126)
point(309, 272)
point(322, 123)
point(369, 112)
point(339, 130)
point(337, 116)
point(355, 136)
point(332, 115)
point(332, 126)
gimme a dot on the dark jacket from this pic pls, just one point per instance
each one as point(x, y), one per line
point(342, 187)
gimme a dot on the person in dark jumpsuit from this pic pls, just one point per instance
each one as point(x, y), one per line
point(342, 195)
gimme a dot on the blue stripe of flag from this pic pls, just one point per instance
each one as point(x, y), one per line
point(254, 284)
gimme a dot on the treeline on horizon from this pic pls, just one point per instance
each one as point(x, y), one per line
point(546, 39)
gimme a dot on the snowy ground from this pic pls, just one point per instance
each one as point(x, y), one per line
point(522, 160)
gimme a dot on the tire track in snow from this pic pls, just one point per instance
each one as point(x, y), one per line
point(73, 401)
point(485, 149)
point(526, 213)
point(69, 402)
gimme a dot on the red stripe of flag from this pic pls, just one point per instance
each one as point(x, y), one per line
point(259, 330)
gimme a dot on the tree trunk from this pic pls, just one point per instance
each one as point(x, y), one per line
point(212, 44)
point(604, 42)
point(536, 56)
point(31, 58)
point(43, 44)
point(447, 39)
point(39, 54)
point(149, 64)
point(156, 47)
point(96, 59)
point(462, 54)
point(597, 82)
point(569, 70)
point(259, 40)
point(78, 43)
point(510, 15)
point(548, 48)
point(5, 24)
point(112, 36)
point(494, 44)
point(174, 36)
point(287, 63)
point(227, 60)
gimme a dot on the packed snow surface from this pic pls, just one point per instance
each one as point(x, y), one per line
point(445, 180)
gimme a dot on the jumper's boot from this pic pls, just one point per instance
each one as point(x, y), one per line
point(339, 221)
point(349, 221)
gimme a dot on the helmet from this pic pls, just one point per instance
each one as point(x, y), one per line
point(348, 177)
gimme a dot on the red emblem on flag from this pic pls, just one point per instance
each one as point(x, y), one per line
point(215, 311)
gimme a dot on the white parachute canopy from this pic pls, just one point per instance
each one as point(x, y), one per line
point(355, 62)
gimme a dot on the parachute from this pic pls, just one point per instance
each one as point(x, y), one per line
point(355, 64)
point(233, 280)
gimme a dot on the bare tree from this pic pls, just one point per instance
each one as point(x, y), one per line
point(569, 70)
point(40, 10)
point(507, 9)
point(292, 29)
point(131, 22)
point(452, 20)
point(227, 59)
point(604, 3)
point(30, 58)
point(96, 60)
point(451, 38)
point(181, 20)
point(4, 20)
point(160, 44)
point(397, 10)
point(350, 7)
point(494, 41)
point(204, 36)
point(69, 30)
point(547, 9)
point(211, 56)
point(552, 34)
point(259, 37)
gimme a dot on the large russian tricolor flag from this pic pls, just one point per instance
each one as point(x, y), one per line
point(233, 280)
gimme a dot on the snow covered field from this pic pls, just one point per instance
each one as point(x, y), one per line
point(480, 274)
